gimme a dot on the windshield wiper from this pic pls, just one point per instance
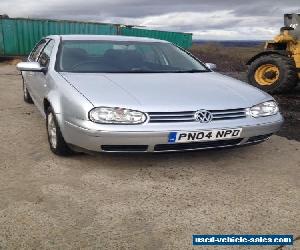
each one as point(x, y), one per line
point(191, 71)
point(141, 71)
point(166, 71)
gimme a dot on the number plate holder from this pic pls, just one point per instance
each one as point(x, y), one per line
point(204, 135)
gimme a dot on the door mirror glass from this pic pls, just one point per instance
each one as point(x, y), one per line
point(211, 66)
point(30, 66)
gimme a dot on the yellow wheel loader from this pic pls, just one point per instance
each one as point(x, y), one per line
point(277, 68)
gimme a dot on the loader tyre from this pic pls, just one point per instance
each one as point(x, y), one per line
point(273, 73)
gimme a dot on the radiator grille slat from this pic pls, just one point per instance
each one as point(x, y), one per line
point(228, 117)
point(229, 114)
point(171, 113)
point(171, 117)
point(169, 121)
point(188, 116)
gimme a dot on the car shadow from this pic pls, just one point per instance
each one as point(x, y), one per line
point(175, 159)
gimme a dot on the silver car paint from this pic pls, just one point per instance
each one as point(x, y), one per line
point(167, 91)
point(73, 95)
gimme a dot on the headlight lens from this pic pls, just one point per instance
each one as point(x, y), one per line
point(116, 115)
point(264, 109)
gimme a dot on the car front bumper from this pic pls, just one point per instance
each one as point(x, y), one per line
point(154, 138)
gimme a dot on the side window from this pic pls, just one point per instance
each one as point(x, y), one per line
point(36, 51)
point(44, 58)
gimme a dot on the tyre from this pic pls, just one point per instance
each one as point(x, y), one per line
point(26, 94)
point(273, 73)
point(56, 141)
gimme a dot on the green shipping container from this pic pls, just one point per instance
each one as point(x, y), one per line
point(183, 40)
point(19, 35)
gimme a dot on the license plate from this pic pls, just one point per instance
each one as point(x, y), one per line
point(205, 135)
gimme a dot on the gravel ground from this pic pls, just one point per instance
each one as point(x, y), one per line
point(154, 201)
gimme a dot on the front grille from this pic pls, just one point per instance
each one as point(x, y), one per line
point(259, 138)
point(197, 145)
point(228, 114)
point(188, 116)
point(159, 117)
point(124, 148)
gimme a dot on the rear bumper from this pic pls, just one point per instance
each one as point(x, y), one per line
point(157, 141)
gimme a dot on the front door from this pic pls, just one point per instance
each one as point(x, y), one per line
point(40, 78)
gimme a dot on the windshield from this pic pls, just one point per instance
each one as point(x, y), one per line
point(125, 57)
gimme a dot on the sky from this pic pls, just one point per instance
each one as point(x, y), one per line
point(206, 19)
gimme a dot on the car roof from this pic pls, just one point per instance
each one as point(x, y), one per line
point(106, 38)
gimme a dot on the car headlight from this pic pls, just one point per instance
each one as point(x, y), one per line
point(116, 115)
point(264, 109)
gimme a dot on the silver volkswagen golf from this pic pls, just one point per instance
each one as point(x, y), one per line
point(129, 94)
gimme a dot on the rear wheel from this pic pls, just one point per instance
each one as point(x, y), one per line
point(56, 141)
point(273, 73)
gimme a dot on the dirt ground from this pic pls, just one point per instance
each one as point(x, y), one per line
point(289, 106)
point(154, 201)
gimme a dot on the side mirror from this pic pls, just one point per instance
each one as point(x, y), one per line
point(211, 66)
point(30, 66)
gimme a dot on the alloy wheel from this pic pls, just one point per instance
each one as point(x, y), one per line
point(52, 133)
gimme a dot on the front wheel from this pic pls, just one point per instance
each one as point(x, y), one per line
point(273, 73)
point(56, 141)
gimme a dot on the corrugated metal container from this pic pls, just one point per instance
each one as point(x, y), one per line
point(183, 40)
point(19, 35)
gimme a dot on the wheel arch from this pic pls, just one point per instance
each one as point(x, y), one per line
point(53, 100)
point(267, 52)
point(46, 104)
